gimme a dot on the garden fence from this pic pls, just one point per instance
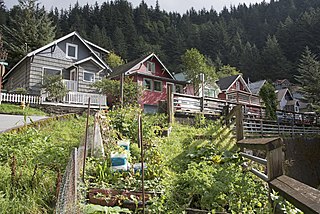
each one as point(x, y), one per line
point(69, 196)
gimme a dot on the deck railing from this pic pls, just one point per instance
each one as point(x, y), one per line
point(83, 98)
point(18, 98)
point(71, 85)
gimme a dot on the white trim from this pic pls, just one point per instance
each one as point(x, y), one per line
point(55, 43)
point(145, 59)
point(161, 85)
point(96, 46)
point(94, 76)
point(243, 82)
point(67, 51)
point(151, 82)
point(87, 59)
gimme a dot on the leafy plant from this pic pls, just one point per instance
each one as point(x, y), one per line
point(96, 209)
point(55, 88)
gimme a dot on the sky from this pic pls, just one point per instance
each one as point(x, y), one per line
point(180, 6)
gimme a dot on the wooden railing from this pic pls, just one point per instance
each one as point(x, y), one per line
point(79, 98)
point(18, 98)
point(83, 98)
point(71, 85)
point(302, 196)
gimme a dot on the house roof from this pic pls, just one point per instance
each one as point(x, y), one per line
point(226, 82)
point(55, 42)
point(89, 59)
point(129, 67)
point(282, 92)
point(96, 46)
point(255, 87)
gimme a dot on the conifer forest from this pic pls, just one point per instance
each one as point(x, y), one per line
point(264, 40)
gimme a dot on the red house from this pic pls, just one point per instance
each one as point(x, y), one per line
point(235, 89)
point(152, 74)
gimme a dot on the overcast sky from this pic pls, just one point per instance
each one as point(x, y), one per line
point(168, 5)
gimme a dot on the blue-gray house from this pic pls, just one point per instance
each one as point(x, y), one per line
point(79, 62)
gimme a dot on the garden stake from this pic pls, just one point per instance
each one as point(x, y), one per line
point(142, 159)
point(86, 141)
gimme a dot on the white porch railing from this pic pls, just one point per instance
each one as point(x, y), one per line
point(18, 98)
point(71, 85)
point(83, 98)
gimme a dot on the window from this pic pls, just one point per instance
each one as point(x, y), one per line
point(238, 86)
point(157, 86)
point(72, 51)
point(88, 76)
point(147, 83)
point(179, 89)
point(209, 92)
point(151, 67)
point(51, 71)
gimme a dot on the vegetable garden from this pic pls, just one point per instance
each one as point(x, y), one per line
point(185, 172)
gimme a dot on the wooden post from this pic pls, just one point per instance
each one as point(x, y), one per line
point(239, 122)
point(274, 164)
point(86, 141)
point(142, 160)
point(121, 89)
point(75, 173)
point(170, 103)
point(202, 92)
point(226, 113)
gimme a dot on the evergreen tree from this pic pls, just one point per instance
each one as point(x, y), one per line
point(309, 77)
point(30, 29)
point(275, 64)
point(269, 97)
point(119, 43)
point(3, 13)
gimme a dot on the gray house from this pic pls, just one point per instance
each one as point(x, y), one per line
point(79, 62)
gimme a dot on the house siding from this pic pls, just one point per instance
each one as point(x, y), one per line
point(86, 86)
point(40, 62)
point(59, 51)
point(19, 79)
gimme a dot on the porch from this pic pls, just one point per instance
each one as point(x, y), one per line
point(72, 99)
point(242, 97)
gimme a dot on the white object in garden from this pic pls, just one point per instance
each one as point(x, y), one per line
point(125, 144)
point(137, 167)
point(119, 162)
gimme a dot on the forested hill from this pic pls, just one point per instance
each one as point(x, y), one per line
point(262, 40)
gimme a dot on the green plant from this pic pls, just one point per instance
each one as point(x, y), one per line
point(96, 209)
point(20, 91)
point(56, 89)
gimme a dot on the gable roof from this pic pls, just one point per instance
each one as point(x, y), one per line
point(226, 82)
point(55, 42)
point(282, 92)
point(128, 68)
point(255, 87)
point(96, 46)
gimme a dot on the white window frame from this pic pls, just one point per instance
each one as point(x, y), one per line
point(238, 86)
point(67, 51)
point(151, 65)
point(151, 88)
point(161, 86)
point(52, 68)
point(89, 72)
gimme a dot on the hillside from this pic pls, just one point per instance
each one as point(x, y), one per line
point(264, 41)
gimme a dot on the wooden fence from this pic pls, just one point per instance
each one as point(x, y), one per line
point(18, 98)
point(268, 152)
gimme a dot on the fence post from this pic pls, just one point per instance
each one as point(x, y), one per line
point(170, 104)
point(274, 164)
point(75, 171)
point(239, 122)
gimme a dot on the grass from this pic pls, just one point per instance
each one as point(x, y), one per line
point(30, 162)
point(6, 108)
